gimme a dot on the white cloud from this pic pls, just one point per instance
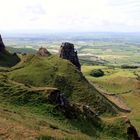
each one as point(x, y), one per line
point(70, 15)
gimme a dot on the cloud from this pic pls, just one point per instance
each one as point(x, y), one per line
point(70, 15)
point(32, 12)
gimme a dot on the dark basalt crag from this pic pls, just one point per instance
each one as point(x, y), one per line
point(43, 52)
point(68, 52)
point(132, 132)
point(7, 59)
point(2, 46)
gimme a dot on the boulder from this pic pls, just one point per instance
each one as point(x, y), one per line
point(43, 52)
point(68, 52)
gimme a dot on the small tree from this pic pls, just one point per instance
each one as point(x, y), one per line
point(97, 73)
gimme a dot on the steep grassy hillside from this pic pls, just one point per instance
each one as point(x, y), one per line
point(26, 113)
point(59, 73)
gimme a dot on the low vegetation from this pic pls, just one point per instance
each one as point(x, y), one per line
point(59, 73)
point(97, 73)
point(28, 111)
point(124, 82)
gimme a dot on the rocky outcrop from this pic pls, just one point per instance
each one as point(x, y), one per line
point(58, 98)
point(2, 46)
point(132, 132)
point(7, 59)
point(63, 105)
point(72, 111)
point(68, 52)
point(43, 52)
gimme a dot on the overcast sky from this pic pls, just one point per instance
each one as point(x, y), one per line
point(70, 15)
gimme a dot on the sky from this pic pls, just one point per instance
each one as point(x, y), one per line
point(70, 15)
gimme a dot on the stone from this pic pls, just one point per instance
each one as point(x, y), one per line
point(58, 98)
point(43, 52)
point(2, 46)
point(68, 52)
point(63, 105)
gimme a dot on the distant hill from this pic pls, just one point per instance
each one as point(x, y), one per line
point(21, 50)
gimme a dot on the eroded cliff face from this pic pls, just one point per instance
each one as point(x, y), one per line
point(43, 52)
point(2, 46)
point(68, 52)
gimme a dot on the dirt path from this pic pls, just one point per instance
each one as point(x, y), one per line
point(32, 88)
point(112, 119)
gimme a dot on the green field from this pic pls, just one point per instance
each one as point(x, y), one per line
point(120, 81)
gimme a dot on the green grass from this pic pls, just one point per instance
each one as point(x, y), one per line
point(116, 80)
point(27, 109)
point(59, 73)
point(123, 82)
point(133, 100)
point(21, 50)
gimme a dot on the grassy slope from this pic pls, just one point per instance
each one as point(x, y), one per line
point(133, 99)
point(32, 116)
point(7, 59)
point(123, 82)
point(55, 72)
point(115, 80)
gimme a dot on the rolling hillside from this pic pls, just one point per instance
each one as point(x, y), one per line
point(59, 73)
point(24, 104)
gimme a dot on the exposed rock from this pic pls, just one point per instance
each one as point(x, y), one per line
point(72, 111)
point(12, 59)
point(68, 52)
point(63, 105)
point(43, 52)
point(132, 132)
point(58, 98)
point(2, 46)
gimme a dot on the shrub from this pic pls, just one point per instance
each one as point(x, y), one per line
point(97, 73)
point(128, 67)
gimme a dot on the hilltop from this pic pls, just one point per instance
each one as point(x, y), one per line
point(56, 72)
